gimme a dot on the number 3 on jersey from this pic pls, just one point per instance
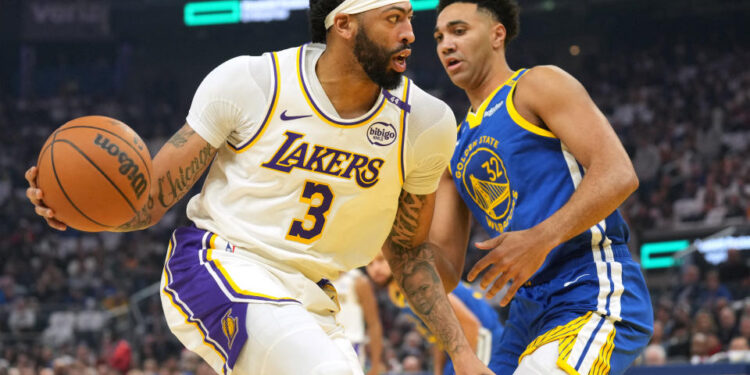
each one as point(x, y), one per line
point(316, 214)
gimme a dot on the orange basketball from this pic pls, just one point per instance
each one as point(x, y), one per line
point(95, 173)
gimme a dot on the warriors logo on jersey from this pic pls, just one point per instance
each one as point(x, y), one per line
point(486, 180)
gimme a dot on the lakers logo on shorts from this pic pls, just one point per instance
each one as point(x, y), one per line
point(486, 180)
point(229, 326)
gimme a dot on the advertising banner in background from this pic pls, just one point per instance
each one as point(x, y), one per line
point(65, 19)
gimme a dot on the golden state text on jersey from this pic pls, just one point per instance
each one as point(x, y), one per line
point(513, 175)
point(484, 177)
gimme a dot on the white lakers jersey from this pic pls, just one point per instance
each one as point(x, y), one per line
point(296, 184)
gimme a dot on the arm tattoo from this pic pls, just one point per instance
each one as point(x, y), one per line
point(180, 138)
point(414, 269)
point(174, 184)
point(173, 187)
point(141, 220)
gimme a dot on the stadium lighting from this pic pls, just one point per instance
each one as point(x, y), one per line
point(219, 12)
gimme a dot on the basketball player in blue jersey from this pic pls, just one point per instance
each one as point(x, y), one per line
point(479, 320)
point(311, 148)
point(540, 167)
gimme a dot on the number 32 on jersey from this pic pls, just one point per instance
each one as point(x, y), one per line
point(316, 213)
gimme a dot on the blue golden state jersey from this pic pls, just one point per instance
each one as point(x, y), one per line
point(490, 332)
point(513, 175)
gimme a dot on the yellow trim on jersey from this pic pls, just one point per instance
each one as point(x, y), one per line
point(566, 335)
point(275, 102)
point(232, 284)
point(601, 363)
point(475, 119)
point(522, 122)
point(320, 115)
point(401, 171)
point(184, 315)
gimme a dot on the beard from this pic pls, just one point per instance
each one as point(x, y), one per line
point(376, 60)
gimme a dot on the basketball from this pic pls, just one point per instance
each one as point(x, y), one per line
point(95, 173)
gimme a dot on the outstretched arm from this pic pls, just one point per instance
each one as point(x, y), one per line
point(177, 166)
point(413, 264)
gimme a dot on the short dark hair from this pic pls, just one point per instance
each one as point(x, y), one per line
point(504, 11)
point(319, 9)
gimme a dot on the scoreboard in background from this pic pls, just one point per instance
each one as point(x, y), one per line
point(236, 11)
point(714, 250)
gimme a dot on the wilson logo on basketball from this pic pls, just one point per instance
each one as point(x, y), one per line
point(127, 165)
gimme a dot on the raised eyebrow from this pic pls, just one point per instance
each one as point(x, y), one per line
point(450, 24)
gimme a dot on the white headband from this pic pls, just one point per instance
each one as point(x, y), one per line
point(356, 7)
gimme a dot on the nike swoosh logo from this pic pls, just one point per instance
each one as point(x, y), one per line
point(571, 282)
point(285, 117)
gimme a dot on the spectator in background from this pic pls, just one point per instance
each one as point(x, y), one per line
point(739, 351)
point(689, 290)
point(714, 291)
point(734, 269)
point(412, 364)
point(654, 355)
point(22, 316)
point(698, 348)
point(745, 326)
point(727, 325)
point(658, 335)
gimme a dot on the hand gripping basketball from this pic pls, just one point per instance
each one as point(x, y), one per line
point(93, 174)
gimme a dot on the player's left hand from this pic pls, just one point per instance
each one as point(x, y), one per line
point(513, 256)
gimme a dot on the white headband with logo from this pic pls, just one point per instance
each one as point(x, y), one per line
point(356, 7)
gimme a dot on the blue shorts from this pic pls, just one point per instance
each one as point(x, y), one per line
point(600, 313)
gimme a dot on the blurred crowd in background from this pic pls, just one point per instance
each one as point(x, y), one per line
point(87, 303)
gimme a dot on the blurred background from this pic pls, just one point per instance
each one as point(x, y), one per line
point(672, 76)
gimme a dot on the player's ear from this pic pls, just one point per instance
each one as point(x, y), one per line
point(345, 25)
point(498, 35)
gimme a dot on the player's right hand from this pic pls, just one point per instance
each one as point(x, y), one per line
point(35, 196)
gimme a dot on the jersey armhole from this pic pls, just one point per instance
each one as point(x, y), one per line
point(276, 88)
point(520, 120)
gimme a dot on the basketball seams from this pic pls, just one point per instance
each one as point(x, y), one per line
point(102, 173)
point(59, 184)
point(127, 142)
point(85, 182)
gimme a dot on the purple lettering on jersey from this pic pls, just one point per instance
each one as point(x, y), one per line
point(274, 162)
point(325, 160)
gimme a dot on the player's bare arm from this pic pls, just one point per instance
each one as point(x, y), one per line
point(413, 264)
point(470, 324)
point(367, 299)
point(177, 166)
point(553, 99)
point(449, 231)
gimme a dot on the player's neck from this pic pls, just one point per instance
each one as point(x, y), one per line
point(496, 76)
point(346, 84)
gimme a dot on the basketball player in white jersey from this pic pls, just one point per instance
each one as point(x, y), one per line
point(361, 319)
point(311, 148)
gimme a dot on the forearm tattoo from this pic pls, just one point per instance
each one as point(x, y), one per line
point(180, 138)
point(173, 187)
point(414, 269)
point(174, 184)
